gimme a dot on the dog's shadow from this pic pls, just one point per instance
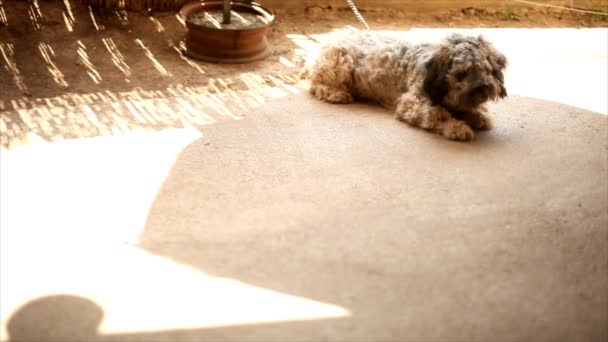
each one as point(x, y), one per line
point(368, 112)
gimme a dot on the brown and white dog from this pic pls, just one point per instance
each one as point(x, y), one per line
point(439, 87)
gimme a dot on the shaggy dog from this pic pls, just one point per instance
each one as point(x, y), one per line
point(439, 87)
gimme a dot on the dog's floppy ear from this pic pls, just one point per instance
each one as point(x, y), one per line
point(502, 63)
point(498, 76)
point(435, 83)
point(503, 91)
point(498, 62)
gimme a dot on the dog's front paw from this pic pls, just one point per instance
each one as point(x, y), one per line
point(339, 97)
point(458, 130)
point(479, 121)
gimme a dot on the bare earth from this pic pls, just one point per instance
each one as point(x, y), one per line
point(61, 51)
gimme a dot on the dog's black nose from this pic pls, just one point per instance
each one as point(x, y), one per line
point(481, 89)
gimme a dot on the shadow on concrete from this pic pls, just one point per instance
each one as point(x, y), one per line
point(56, 318)
point(419, 238)
point(70, 318)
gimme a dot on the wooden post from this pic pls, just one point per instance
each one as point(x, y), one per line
point(227, 8)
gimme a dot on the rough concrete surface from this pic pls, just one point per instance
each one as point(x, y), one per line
point(309, 221)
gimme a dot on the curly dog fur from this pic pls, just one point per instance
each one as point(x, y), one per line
point(438, 87)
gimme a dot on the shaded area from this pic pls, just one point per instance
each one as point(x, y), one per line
point(56, 318)
point(420, 238)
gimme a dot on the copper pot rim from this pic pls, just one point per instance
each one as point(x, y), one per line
point(199, 6)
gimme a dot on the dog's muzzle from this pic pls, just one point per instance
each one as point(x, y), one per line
point(480, 93)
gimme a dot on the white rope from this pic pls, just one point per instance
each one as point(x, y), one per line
point(352, 6)
point(561, 7)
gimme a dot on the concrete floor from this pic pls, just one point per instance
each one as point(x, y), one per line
point(310, 221)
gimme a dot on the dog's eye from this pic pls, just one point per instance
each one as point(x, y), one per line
point(461, 75)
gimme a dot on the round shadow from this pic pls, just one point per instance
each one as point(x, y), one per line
point(56, 318)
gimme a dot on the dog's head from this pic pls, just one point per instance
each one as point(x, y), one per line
point(465, 72)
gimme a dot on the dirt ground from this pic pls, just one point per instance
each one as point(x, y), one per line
point(56, 53)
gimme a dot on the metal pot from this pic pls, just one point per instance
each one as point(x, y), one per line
point(225, 45)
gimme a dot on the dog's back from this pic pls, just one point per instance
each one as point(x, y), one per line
point(373, 66)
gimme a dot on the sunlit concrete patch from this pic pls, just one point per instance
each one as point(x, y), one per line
point(70, 215)
point(142, 292)
point(103, 194)
point(194, 300)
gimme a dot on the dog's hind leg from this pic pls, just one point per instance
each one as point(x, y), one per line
point(332, 76)
point(418, 111)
